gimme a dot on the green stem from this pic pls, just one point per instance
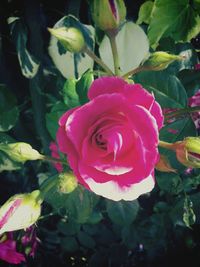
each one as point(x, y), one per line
point(112, 38)
point(47, 185)
point(91, 54)
point(138, 69)
point(182, 111)
point(54, 160)
point(166, 145)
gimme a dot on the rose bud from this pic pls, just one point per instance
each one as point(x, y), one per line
point(188, 151)
point(71, 38)
point(160, 60)
point(108, 14)
point(67, 183)
point(20, 152)
point(20, 211)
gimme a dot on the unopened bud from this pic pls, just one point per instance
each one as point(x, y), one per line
point(20, 211)
point(188, 151)
point(71, 38)
point(108, 14)
point(20, 152)
point(160, 60)
point(67, 183)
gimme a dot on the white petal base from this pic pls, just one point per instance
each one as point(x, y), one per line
point(113, 191)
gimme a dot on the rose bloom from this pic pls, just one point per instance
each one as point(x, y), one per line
point(111, 141)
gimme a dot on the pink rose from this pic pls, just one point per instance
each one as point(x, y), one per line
point(111, 141)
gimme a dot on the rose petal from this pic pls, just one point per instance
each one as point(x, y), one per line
point(65, 116)
point(106, 85)
point(113, 191)
point(83, 118)
point(135, 93)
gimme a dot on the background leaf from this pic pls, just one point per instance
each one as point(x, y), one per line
point(131, 53)
point(28, 63)
point(122, 212)
point(83, 85)
point(177, 19)
point(72, 65)
point(145, 12)
point(167, 88)
point(8, 109)
point(53, 117)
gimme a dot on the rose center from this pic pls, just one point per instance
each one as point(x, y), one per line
point(100, 141)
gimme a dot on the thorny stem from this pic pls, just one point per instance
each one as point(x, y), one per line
point(98, 61)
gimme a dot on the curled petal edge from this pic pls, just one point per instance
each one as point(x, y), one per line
point(113, 191)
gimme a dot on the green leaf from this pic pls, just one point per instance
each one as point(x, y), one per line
point(69, 64)
point(56, 200)
point(169, 182)
point(176, 19)
point(189, 217)
point(95, 217)
point(70, 96)
point(6, 164)
point(122, 212)
point(28, 63)
point(80, 204)
point(69, 244)
point(191, 183)
point(150, 232)
point(53, 117)
point(177, 209)
point(68, 228)
point(197, 5)
point(132, 45)
point(145, 12)
point(86, 240)
point(183, 127)
point(167, 88)
point(83, 85)
point(191, 80)
point(8, 110)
